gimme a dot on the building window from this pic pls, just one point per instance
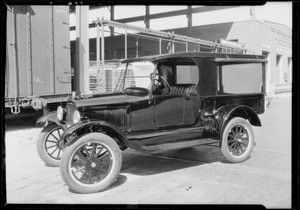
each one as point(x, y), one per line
point(92, 55)
point(289, 69)
point(278, 68)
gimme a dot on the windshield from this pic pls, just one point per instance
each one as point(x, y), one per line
point(138, 74)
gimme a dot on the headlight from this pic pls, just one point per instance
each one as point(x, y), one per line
point(76, 116)
point(60, 113)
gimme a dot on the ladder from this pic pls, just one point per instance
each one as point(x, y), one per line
point(167, 36)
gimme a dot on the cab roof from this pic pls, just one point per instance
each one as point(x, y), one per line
point(219, 57)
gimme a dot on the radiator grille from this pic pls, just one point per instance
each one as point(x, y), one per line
point(70, 108)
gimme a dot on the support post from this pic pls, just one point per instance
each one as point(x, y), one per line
point(137, 47)
point(189, 16)
point(102, 56)
point(98, 43)
point(147, 21)
point(112, 17)
point(82, 49)
point(98, 55)
point(160, 46)
point(125, 44)
point(173, 46)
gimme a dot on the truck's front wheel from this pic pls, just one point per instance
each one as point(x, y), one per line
point(237, 140)
point(91, 164)
point(49, 145)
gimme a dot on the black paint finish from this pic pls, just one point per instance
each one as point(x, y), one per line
point(144, 118)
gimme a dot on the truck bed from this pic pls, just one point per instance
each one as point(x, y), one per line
point(255, 101)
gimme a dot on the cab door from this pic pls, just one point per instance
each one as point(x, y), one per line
point(168, 111)
point(141, 114)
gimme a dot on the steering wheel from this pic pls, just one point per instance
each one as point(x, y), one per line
point(157, 83)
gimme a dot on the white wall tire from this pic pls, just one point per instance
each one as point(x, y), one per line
point(91, 164)
point(237, 140)
point(48, 145)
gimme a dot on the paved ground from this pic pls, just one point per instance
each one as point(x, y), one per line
point(196, 175)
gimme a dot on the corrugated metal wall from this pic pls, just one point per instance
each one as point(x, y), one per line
point(39, 63)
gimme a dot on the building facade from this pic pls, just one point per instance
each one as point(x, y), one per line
point(260, 37)
point(263, 38)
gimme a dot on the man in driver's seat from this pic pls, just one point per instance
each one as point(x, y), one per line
point(162, 80)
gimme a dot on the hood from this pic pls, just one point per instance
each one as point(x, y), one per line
point(106, 99)
point(111, 107)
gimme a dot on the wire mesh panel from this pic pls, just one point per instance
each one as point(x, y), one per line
point(187, 74)
point(240, 78)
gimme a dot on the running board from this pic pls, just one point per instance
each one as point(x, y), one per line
point(175, 146)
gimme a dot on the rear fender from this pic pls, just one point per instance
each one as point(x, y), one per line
point(50, 117)
point(225, 113)
point(89, 126)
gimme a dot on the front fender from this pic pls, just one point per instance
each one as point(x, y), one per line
point(224, 114)
point(50, 117)
point(108, 128)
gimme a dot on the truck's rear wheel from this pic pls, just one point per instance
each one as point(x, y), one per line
point(237, 140)
point(49, 145)
point(91, 164)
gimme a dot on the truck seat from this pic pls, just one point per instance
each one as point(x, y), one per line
point(182, 88)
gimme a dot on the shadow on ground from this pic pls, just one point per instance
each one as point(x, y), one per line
point(22, 121)
point(142, 164)
point(20, 124)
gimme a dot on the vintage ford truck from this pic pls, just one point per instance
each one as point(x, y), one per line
point(169, 101)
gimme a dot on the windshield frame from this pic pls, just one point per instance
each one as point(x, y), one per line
point(151, 81)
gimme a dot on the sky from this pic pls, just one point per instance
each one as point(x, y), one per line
point(278, 12)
